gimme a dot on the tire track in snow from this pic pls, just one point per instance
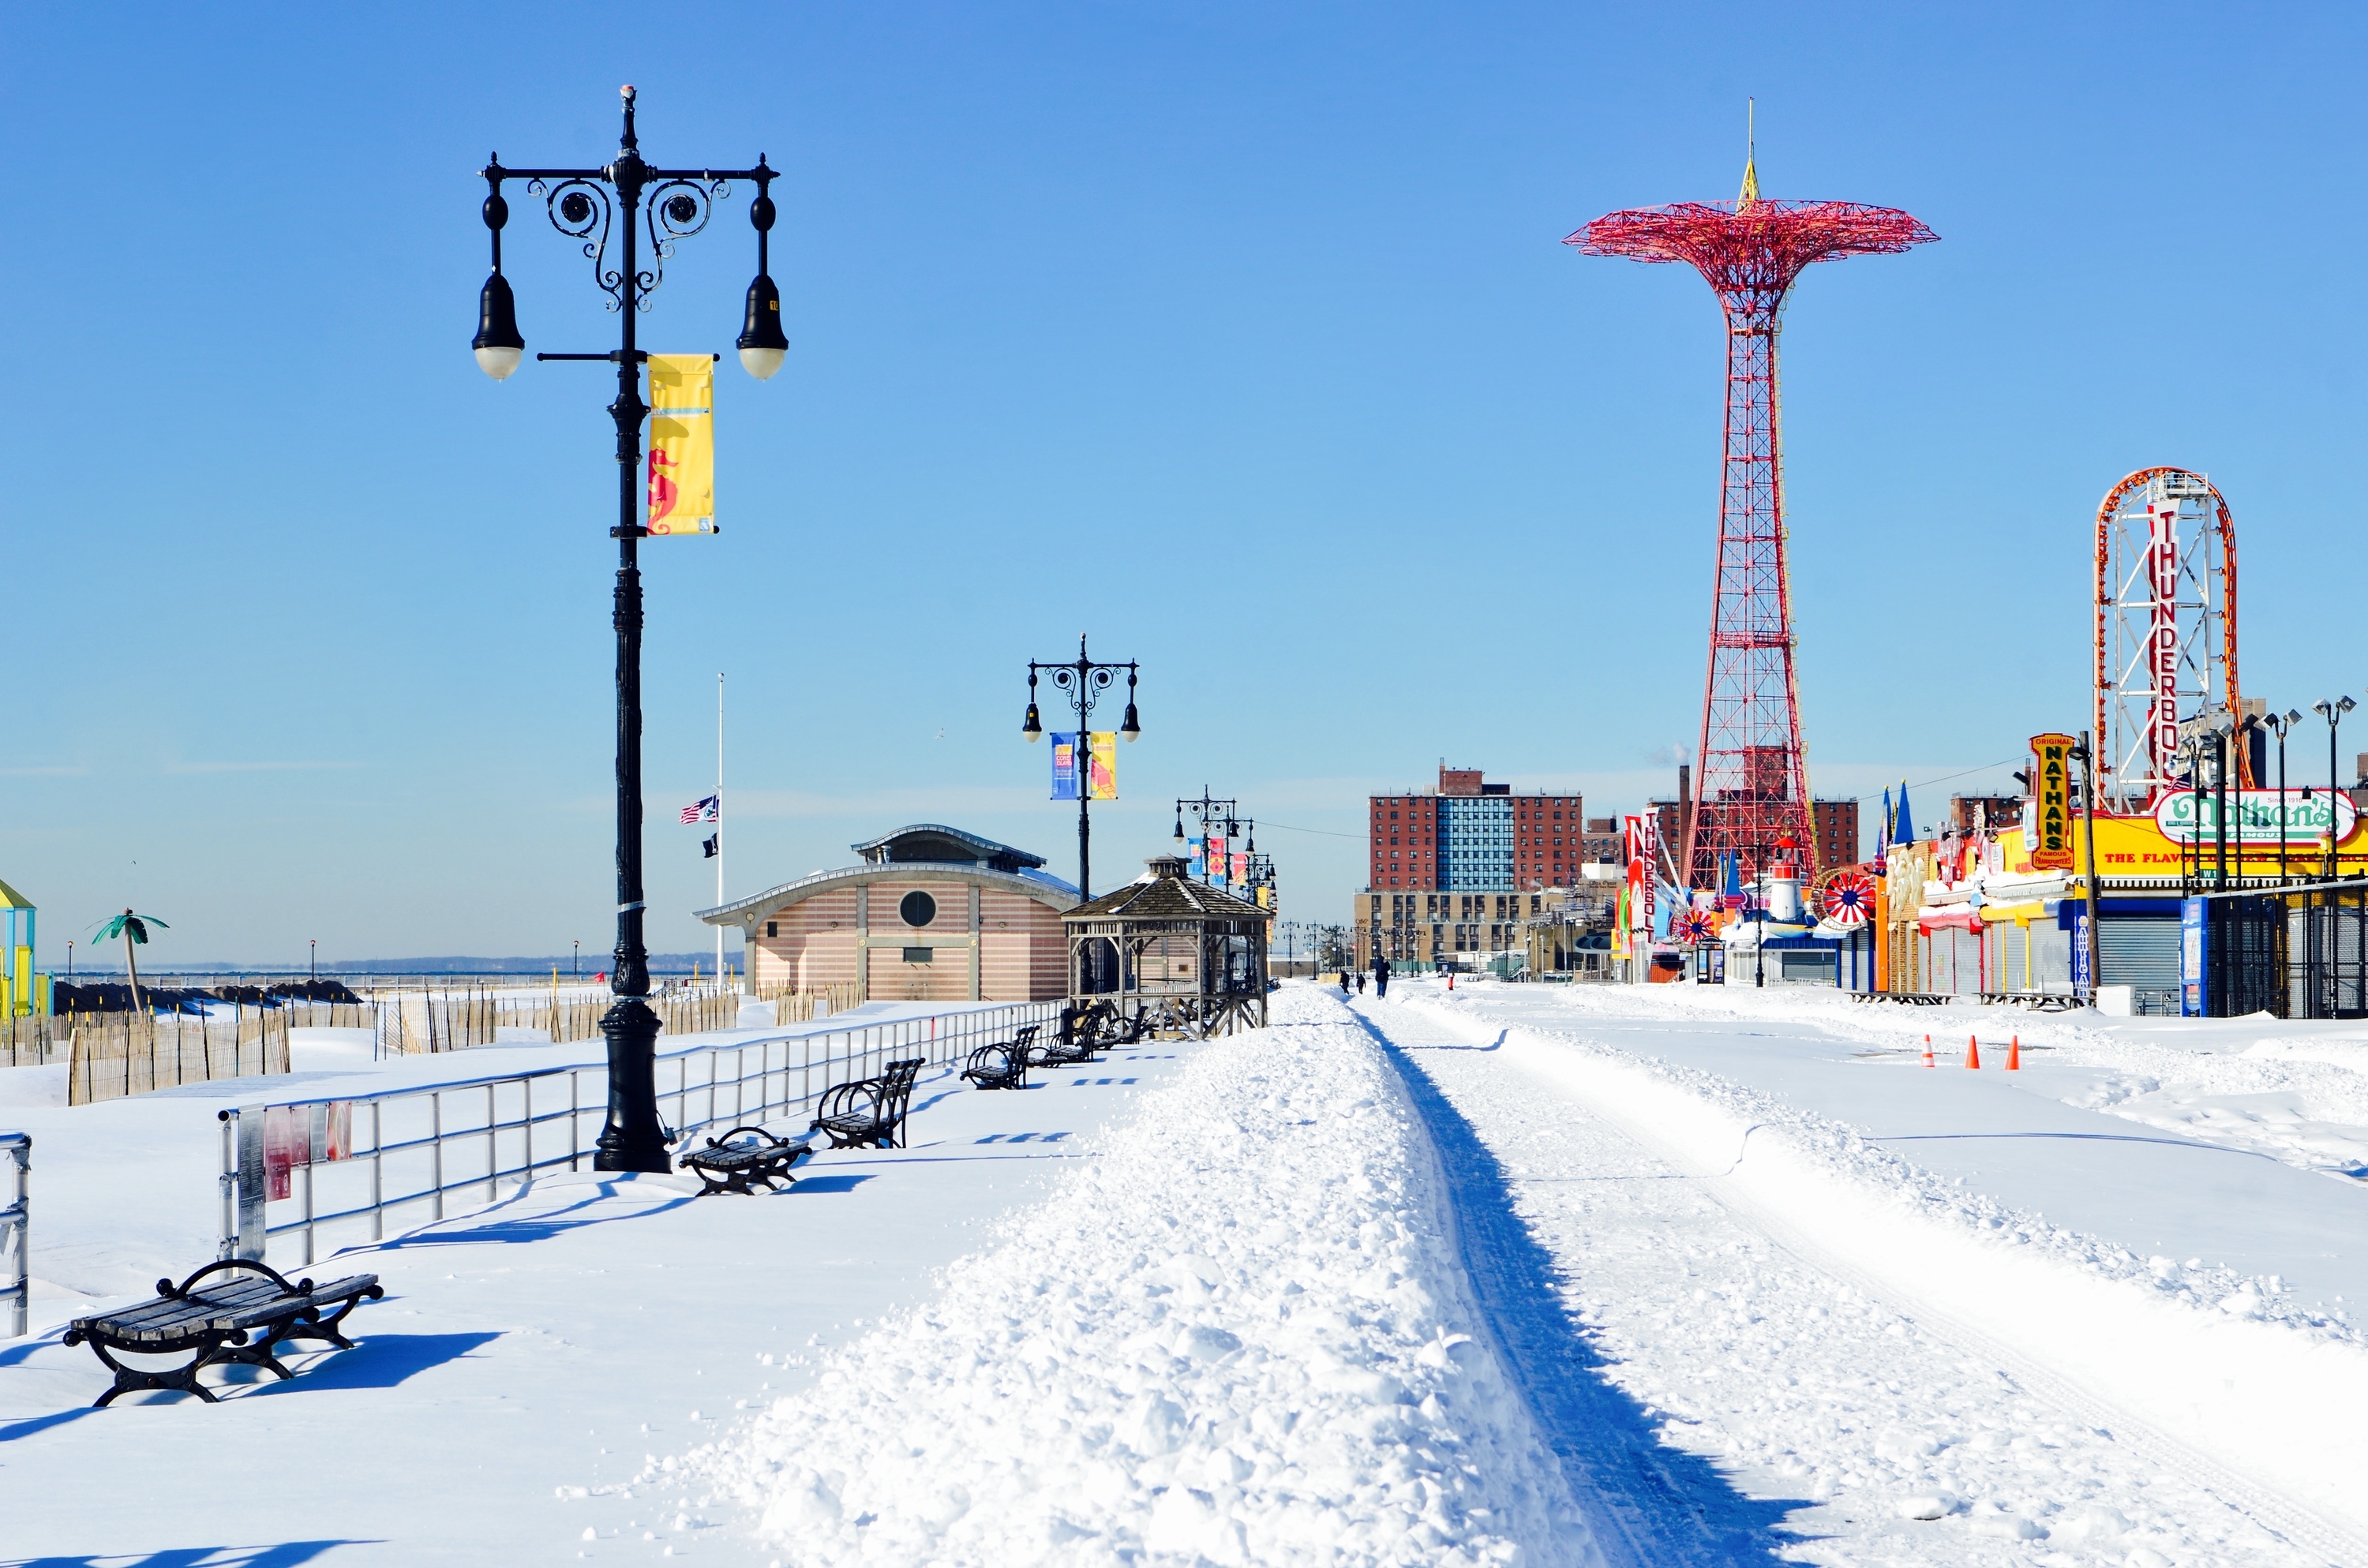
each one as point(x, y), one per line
point(1655, 1507)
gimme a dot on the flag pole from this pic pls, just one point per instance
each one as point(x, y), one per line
point(719, 821)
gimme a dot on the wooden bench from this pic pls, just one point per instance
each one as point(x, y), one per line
point(236, 1318)
point(727, 1166)
point(1004, 1064)
point(868, 1110)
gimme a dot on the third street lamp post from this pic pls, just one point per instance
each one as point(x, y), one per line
point(1084, 679)
point(626, 199)
point(1208, 810)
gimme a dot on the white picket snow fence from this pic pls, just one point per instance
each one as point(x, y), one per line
point(317, 1175)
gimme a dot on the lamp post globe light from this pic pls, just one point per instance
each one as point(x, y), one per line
point(627, 200)
point(1084, 679)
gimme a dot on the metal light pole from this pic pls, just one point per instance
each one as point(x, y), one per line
point(314, 943)
point(2333, 712)
point(1759, 916)
point(627, 199)
point(2088, 761)
point(2278, 724)
point(1205, 810)
point(1084, 679)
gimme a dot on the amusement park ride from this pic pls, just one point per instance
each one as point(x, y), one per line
point(1754, 783)
point(2166, 631)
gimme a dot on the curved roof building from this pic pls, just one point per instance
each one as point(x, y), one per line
point(929, 914)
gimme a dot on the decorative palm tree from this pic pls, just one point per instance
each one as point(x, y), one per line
point(134, 930)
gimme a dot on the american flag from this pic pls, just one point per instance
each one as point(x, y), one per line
point(707, 807)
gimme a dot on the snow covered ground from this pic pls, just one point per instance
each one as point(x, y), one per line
point(1242, 1336)
point(1880, 1292)
point(1546, 1275)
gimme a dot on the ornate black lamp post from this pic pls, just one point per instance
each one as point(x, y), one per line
point(1084, 681)
point(2279, 723)
point(2333, 713)
point(624, 199)
point(1206, 810)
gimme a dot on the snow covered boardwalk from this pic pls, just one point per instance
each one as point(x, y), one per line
point(1522, 1274)
point(1241, 1336)
point(529, 1357)
point(1863, 1341)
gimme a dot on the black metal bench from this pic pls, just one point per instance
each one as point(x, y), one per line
point(727, 1166)
point(236, 1319)
point(868, 1110)
point(1078, 1042)
point(1004, 1064)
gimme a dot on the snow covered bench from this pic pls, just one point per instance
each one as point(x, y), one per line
point(868, 1110)
point(727, 1166)
point(237, 1318)
point(1003, 1066)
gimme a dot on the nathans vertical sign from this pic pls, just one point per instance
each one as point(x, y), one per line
point(2050, 832)
point(682, 443)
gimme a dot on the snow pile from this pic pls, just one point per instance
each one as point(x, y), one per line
point(1240, 1335)
point(2248, 1084)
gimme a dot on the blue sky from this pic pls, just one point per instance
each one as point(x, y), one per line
point(1240, 336)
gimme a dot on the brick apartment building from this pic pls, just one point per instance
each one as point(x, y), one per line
point(1469, 835)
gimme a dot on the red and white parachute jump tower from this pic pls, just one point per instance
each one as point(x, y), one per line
point(2166, 631)
point(1752, 789)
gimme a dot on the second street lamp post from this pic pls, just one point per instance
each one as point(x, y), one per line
point(1206, 810)
point(624, 199)
point(1084, 679)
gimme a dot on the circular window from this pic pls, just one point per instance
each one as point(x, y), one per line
point(918, 909)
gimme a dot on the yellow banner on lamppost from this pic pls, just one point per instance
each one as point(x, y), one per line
point(682, 443)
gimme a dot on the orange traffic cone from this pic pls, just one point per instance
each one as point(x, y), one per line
point(1927, 1050)
point(1972, 1053)
point(2014, 1054)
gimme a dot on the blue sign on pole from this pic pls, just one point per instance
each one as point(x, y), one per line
point(2083, 983)
point(2194, 952)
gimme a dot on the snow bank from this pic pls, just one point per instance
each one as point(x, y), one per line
point(1240, 1336)
point(2297, 1093)
point(2228, 1364)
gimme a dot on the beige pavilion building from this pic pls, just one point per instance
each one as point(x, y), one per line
point(931, 913)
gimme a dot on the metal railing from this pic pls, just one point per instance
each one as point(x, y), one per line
point(16, 1221)
point(322, 1174)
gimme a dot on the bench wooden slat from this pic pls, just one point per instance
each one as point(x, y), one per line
point(215, 1323)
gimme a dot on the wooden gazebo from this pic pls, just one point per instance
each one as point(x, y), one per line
point(1186, 958)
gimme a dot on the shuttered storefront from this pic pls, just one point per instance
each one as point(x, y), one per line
point(2141, 951)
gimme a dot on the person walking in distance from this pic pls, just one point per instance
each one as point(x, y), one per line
point(1361, 982)
point(1381, 975)
point(1344, 980)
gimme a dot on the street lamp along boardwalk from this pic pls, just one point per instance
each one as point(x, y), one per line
point(622, 199)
